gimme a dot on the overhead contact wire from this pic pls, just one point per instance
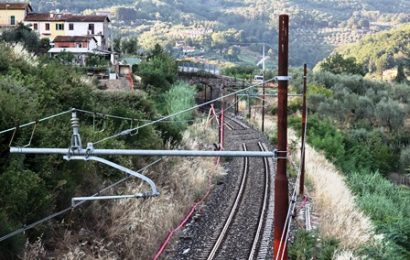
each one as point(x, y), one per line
point(37, 121)
point(125, 132)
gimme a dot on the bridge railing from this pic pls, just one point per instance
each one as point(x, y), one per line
point(198, 68)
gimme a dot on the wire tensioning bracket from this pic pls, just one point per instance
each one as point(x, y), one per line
point(280, 154)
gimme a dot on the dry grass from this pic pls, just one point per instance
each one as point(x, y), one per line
point(19, 51)
point(134, 229)
point(270, 122)
point(345, 255)
point(334, 202)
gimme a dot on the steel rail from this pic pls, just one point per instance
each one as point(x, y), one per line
point(229, 126)
point(264, 207)
point(234, 208)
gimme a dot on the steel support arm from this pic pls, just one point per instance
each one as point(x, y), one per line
point(171, 153)
point(154, 190)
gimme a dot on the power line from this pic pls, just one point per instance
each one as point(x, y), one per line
point(104, 115)
point(37, 121)
point(61, 212)
point(128, 131)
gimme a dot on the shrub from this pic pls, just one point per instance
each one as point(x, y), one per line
point(405, 160)
point(388, 207)
point(307, 245)
point(338, 64)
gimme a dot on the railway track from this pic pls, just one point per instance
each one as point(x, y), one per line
point(238, 222)
point(247, 215)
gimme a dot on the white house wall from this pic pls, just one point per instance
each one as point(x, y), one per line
point(81, 29)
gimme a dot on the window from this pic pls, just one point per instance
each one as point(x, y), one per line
point(59, 26)
point(71, 26)
point(91, 28)
point(12, 20)
point(47, 27)
point(35, 26)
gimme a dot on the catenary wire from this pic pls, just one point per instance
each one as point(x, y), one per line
point(37, 121)
point(126, 132)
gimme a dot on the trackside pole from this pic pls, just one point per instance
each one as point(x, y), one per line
point(303, 148)
point(263, 87)
point(222, 125)
point(263, 104)
point(236, 104)
point(281, 180)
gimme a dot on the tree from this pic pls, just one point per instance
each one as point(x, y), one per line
point(129, 46)
point(159, 70)
point(401, 76)
point(232, 53)
point(24, 35)
point(65, 57)
point(94, 60)
point(339, 65)
point(44, 46)
point(117, 45)
point(390, 114)
point(157, 51)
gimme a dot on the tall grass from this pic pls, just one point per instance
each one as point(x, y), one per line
point(339, 217)
point(386, 204)
point(134, 229)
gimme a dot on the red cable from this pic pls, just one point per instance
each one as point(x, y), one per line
point(182, 223)
point(188, 216)
point(305, 200)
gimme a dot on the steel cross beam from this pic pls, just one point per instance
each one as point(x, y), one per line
point(269, 95)
point(170, 153)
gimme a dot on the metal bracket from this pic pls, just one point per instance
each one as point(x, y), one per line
point(280, 154)
point(153, 193)
point(283, 78)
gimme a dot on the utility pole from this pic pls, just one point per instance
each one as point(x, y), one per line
point(249, 106)
point(263, 87)
point(222, 122)
point(303, 148)
point(236, 104)
point(205, 100)
point(281, 180)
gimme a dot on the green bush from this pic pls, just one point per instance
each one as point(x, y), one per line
point(388, 207)
point(307, 245)
point(405, 160)
point(9, 247)
point(243, 72)
point(34, 186)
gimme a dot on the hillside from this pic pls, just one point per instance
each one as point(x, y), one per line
point(316, 26)
point(383, 51)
